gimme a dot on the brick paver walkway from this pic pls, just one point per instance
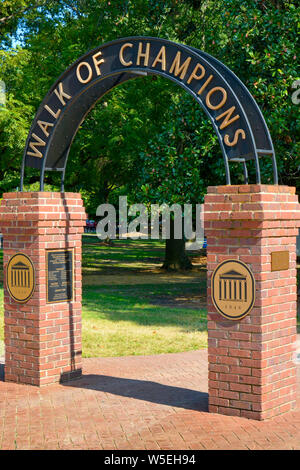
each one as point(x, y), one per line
point(149, 402)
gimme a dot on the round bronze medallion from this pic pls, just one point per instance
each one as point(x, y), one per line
point(233, 289)
point(20, 278)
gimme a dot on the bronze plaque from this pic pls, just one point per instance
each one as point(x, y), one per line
point(233, 289)
point(280, 260)
point(59, 266)
point(20, 279)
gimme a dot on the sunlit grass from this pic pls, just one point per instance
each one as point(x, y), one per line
point(129, 308)
point(126, 318)
point(124, 321)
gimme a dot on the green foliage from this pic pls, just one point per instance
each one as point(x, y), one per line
point(14, 117)
point(109, 159)
point(258, 40)
point(255, 40)
point(178, 165)
point(148, 124)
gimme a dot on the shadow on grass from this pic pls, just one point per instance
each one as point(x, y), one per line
point(126, 256)
point(144, 390)
point(133, 304)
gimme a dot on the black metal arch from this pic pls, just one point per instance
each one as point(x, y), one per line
point(237, 120)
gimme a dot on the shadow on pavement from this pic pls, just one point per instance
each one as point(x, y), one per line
point(153, 392)
point(1, 372)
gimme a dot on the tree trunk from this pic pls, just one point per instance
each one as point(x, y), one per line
point(176, 258)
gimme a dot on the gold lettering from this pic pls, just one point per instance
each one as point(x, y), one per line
point(97, 62)
point(141, 54)
point(222, 102)
point(61, 94)
point(205, 84)
point(161, 57)
point(122, 60)
point(194, 73)
point(180, 69)
point(227, 114)
point(44, 126)
point(39, 142)
point(78, 73)
point(55, 115)
point(237, 133)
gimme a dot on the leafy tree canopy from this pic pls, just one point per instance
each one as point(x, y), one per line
point(148, 131)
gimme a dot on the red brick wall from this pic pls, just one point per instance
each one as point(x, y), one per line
point(42, 341)
point(251, 368)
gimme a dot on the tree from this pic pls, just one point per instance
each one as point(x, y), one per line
point(258, 40)
point(185, 158)
point(166, 131)
point(178, 165)
point(99, 162)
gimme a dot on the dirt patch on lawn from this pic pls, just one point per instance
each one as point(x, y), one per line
point(150, 277)
point(143, 272)
point(181, 301)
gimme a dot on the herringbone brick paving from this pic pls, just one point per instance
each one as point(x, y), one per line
point(145, 402)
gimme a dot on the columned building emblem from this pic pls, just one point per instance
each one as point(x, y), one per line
point(20, 277)
point(233, 289)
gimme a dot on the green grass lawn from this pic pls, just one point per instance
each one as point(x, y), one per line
point(127, 320)
point(131, 307)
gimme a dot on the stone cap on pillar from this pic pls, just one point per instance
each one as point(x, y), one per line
point(261, 207)
point(250, 188)
point(42, 209)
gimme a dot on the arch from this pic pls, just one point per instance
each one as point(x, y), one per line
point(237, 120)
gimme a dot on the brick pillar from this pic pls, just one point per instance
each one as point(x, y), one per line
point(252, 371)
point(42, 340)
